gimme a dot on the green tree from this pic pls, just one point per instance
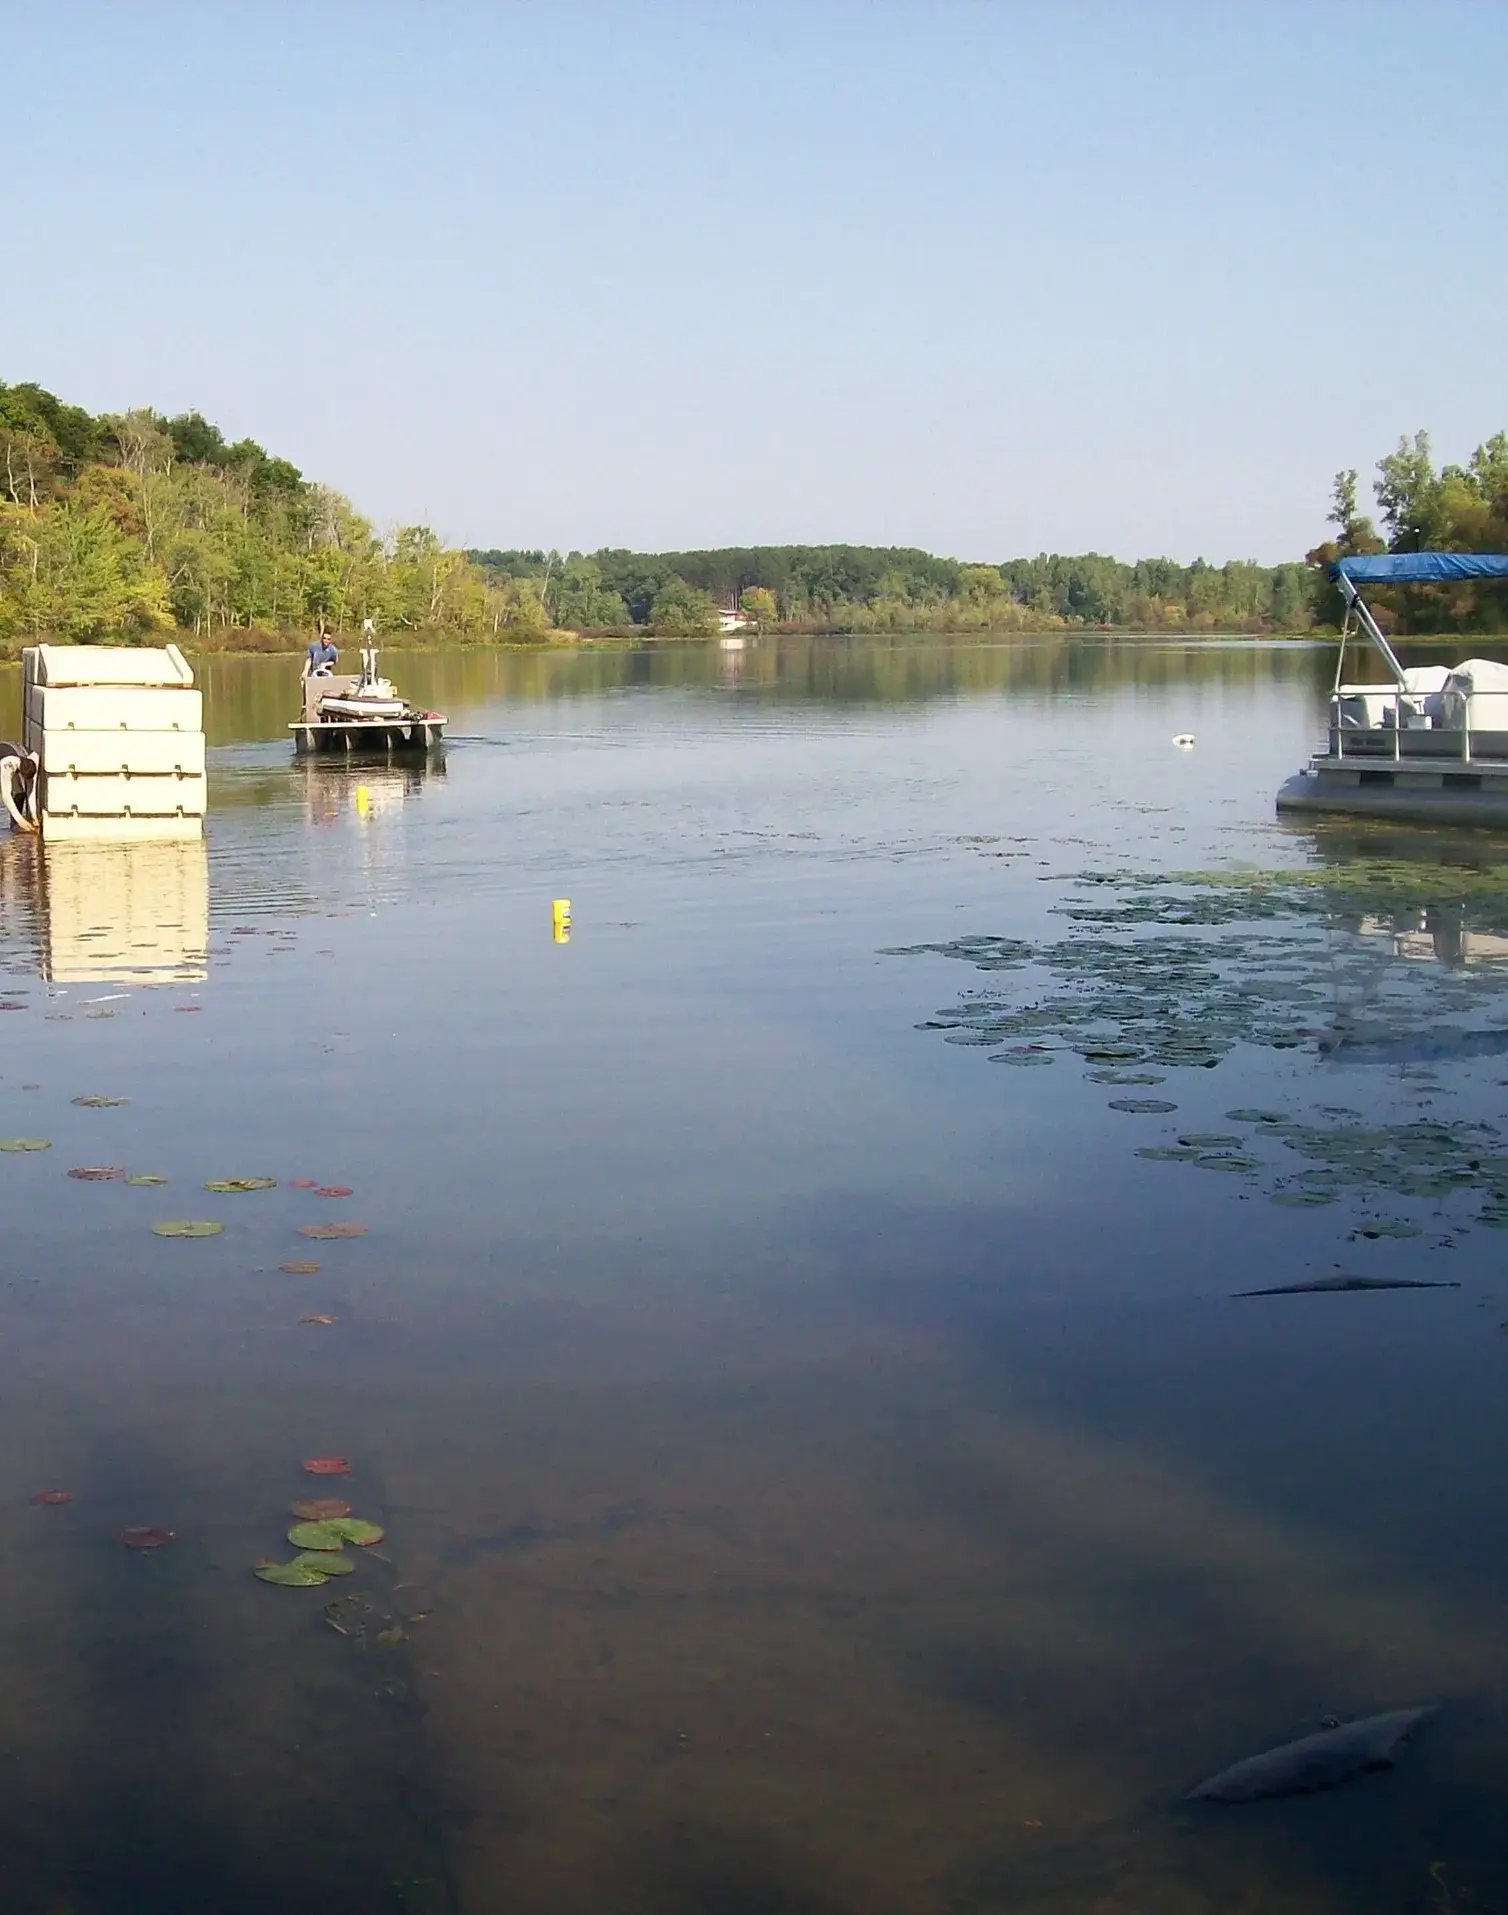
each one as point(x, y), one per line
point(682, 611)
point(759, 604)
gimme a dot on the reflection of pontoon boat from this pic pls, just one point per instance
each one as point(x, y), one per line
point(362, 714)
point(1432, 746)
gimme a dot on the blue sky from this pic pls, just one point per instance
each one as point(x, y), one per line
point(982, 277)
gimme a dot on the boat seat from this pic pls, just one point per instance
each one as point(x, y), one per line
point(336, 685)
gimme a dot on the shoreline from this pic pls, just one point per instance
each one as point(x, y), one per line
point(292, 645)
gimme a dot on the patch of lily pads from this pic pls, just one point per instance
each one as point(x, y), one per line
point(1174, 971)
point(321, 1542)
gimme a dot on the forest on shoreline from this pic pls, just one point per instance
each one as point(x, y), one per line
point(135, 527)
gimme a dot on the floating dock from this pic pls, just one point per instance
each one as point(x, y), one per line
point(112, 745)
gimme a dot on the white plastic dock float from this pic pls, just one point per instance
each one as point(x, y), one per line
point(112, 746)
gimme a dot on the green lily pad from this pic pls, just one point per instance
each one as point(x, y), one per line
point(1025, 1055)
point(1168, 1153)
point(326, 1564)
point(315, 1536)
point(25, 1143)
point(295, 1575)
point(356, 1529)
point(1225, 1160)
point(147, 1177)
point(1307, 1198)
point(1211, 1139)
point(1142, 1106)
point(242, 1183)
point(1389, 1227)
point(187, 1227)
point(100, 1103)
point(1126, 1077)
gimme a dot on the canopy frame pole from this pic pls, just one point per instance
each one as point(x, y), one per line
point(1355, 602)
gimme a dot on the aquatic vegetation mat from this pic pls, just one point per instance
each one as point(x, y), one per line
point(1375, 961)
point(242, 1183)
point(187, 1227)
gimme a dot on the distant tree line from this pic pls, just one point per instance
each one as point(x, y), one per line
point(132, 524)
point(1461, 508)
point(864, 588)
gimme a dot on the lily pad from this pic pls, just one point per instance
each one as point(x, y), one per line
point(98, 1173)
point(1211, 1139)
point(1245, 1116)
point(295, 1575)
point(333, 1190)
point(303, 1183)
point(52, 1497)
point(1142, 1106)
point(1388, 1227)
point(187, 1227)
point(315, 1536)
point(147, 1177)
point(326, 1466)
point(1024, 1054)
point(1126, 1077)
point(100, 1103)
point(242, 1183)
point(25, 1143)
point(320, 1509)
point(146, 1536)
point(323, 1232)
point(356, 1529)
point(318, 1316)
point(1168, 1153)
point(1307, 1197)
point(300, 1269)
point(328, 1564)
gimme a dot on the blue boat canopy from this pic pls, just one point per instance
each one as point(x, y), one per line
point(1414, 568)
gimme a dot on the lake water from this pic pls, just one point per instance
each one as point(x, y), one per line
point(824, 1469)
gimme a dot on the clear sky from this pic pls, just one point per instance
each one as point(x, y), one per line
point(983, 277)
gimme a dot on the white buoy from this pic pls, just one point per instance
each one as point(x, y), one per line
point(1184, 741)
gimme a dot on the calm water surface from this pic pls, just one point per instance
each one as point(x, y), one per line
point(831, 1472)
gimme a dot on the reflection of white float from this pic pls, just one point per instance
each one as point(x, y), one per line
point(123, 913)
point(112, 745)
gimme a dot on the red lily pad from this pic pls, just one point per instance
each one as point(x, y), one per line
point(326, 1466)
point(300, 1269)
point(146, 1536)
point(53, 1496)
point(98, 1173)
point(333, 1190)
point(303, 1183)
point(319, 1509)
point(324, 1231)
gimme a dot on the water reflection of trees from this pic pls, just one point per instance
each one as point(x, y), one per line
point(251, 698)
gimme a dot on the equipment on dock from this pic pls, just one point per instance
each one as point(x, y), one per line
point(365, 713)
point(1432, 746)
point(112, 745)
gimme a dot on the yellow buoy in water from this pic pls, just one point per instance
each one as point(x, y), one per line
point(363, 801)
point(560, 920)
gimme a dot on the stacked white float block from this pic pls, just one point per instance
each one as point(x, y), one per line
point(119, 737)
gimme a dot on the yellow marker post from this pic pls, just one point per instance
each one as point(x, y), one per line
point(363, 801)
point(560, 920)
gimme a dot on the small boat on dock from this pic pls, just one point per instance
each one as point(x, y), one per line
point(1431, 745)
point(363, 714)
